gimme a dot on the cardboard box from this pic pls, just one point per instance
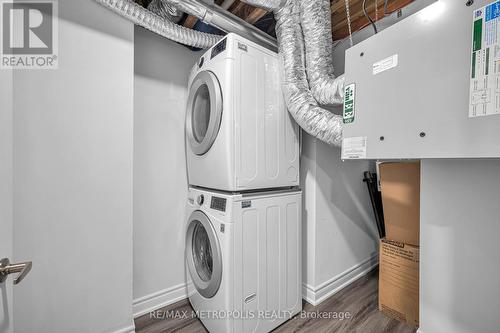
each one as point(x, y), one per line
point(399, 281)
point(400, 184)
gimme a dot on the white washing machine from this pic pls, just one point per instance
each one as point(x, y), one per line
point(243, 259)
point(239, 134)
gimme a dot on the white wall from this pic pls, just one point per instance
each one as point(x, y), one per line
point(460, 248)
point(340, 236)
point(308, 183)
point(6, 194)
point(160, 180)
point(343, 199)
point(73, 141)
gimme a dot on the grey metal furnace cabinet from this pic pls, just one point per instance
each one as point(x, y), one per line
point(427, 87)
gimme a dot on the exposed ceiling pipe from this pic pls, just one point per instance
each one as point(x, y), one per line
point(224, 20)
point(301, 103)
point(145, 18)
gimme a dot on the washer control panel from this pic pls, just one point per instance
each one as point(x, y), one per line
point(218, 204)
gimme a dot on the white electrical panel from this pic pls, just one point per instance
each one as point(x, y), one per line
point(427, 87)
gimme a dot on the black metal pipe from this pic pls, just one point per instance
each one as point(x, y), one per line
point(376, 200)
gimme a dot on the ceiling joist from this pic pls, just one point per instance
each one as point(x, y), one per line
point(375, 9)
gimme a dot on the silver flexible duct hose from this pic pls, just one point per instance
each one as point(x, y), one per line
point(164, 10)
point(315, 120)
point(317, 26)
point(143, 17)
point(299, 99)
point(269, 5)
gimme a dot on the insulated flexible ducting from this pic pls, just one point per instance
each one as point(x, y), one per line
point(164, 10)
point(315, 120)
point(145, 18)
point(317, 26)
point(300, 101)
point(269, 5)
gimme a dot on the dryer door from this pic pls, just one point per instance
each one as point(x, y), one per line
point(204, 112)
point(203, 254)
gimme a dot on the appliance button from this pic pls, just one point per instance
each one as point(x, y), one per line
point(200, 200)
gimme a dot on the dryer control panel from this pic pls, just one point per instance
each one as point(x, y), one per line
point(219, 48)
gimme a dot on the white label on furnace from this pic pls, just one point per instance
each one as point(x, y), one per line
point(354, 148)
point(385, 65)
point(485, 59)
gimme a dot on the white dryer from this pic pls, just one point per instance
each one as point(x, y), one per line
point(243, 259)
point(239, 134)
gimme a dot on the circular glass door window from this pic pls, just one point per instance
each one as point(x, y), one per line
point(204, 112)
point(203, 254)
point(201, 113)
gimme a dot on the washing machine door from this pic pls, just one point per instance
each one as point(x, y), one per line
point(203, 254)
point(204, 112)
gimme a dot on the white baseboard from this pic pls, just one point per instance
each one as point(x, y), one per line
point(313, 295)
point(316, 295)
point(128, 329)
point(148, 303)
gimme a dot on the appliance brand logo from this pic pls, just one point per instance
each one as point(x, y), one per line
point(29, 38)
point(246, 204)
point(242, 47)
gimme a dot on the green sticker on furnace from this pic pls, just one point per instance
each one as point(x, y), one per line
point(349, 95)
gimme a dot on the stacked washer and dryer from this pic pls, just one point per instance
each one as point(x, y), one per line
point(243, 232)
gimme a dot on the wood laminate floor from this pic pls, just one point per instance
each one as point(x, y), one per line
point(359, 300)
